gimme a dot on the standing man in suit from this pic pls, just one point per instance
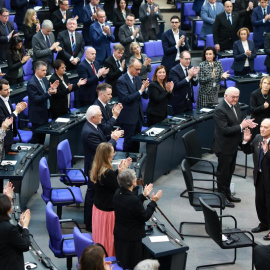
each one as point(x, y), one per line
point(71, 43)
point(130, 89)
point(89, 17)
point(89, 69)
point(228, 135)
point(184, 77)
point(92, 136)
point(129, 33)
point(6, 111)
point(149, 15)
point(101, 37)
point(6, 32)
point(60, 17)
point(77, 10)
point(39, 93)
point(109, 116)
point(261, 23)
point(44, 45)
point(225, 28)
point(259, 146)
point(208, 14)
point(173, 42)
point(116, 66)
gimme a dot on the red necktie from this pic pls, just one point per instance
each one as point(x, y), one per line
point(93, 67)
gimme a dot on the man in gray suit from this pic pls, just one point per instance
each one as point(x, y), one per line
point(44, 45)
point(149, 15)
point(129, 33)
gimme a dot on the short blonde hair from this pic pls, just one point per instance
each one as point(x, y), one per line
point(243, 29)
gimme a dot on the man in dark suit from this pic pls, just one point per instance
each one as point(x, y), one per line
point(259, 146)
point(109, 116)
point(184, 77)
point(6, 111)
point(108, 6)
point(39, 93)
point(129, 33)
point(60, 17)
point(130, 89)
point(89, 17)
point(71, 43)
point(101, 37)
point(225, 28)
point(77, 10)
point(116, 66)
point(92, 136)
point(228, 135)
point(44, 45)
point(171, 49)
point(6, 32)
point(89, 69)
point(149, 15)
point(261, 23)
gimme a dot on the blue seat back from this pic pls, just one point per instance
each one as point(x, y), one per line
point(259, 64)
point(45, 179)
point(64, 156)
point(153, 48)
point(250, 37)
point(151, 73)
point(209, 40)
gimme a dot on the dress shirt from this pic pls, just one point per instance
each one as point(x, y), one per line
point(63, 13)
point(230, 16)
point(93, 9)
point(246, 48)
point(93, 124)
point(90, 63)
point(118, 62)
point(176, 38)
point(131, 78)
point(102, 25)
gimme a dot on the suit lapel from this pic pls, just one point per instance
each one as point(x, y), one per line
point(39, 85)
point(130, 83)
point(4, 106)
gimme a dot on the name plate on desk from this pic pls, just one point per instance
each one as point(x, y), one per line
point(8, 162)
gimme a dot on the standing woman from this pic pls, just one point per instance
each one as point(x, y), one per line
point(105, 179)
point(59, 103)
point(135, 49)
point(259, 104)
point(119, 16)
point(30, 27)
point(15, 59)
point(159, 92)
point(244, 53)
point(210, 74)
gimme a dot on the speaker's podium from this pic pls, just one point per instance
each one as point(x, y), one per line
point(21, 168)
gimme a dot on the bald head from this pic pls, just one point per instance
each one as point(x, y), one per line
point(265, 128)
point(90, 54)
point(228, 7)
point(232, 95)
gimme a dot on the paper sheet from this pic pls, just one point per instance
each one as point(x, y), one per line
point(8, 162)
point(156, 239)
point(154, 131)
point(62, 120)
point(206, 110)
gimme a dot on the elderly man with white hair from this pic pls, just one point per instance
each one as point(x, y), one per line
point(92, 136)
point(44, 45)
point(147, 265)
point(228, 135)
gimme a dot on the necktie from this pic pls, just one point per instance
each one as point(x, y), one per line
point(95, 9)
point(93, 67)
point(186, 70)
point(234, 111)
point(73, 43)
point(261, 157)
point(133, 80)
point(107, 108)
point(48, 42)
point(6, 27)
point(214, 9)
point(131, 30)
point(264, 12)
point(45, 91)
point(118, 64)
point(229, 19)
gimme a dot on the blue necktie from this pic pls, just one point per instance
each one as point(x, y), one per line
point(73, 43)
point(45, 91)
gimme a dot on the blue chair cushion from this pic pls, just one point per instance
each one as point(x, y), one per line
point(64, 196)
point(75, 176)
point(120, 144)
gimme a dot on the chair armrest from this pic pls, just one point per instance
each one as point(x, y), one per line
point(62, 243)
point(78, 169)
point(206, 149)
point(230, 216)
point(221, 198)
point(203, 160)
point(78, 157)
point(57, 174)
point(70, 220)
point(248, 232)
point(61, 188)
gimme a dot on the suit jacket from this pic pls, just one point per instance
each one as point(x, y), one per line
point(118, 20)
point(158, 99)
point(108, 121)
point(78, 6)
point(52, 7)
point(255, 147)
point(41, 52)
point(13, 65)
point(225, 33)
point(4, 113)
point(4, 40)
point(129, 96)
point(109, 7)
point(170, 51)
point(240, 56)
point(37, 101)
point(267, 50)
point(125, 39)
point(130, 215)
point(21, 8)
point(65, 44)
point(13, 242)
point(87, 21)
point(114, 73)
point(58, 24)
point(197, 5)
point(259, 28)
point(87, 91)
point(91, 138)
point(135, 7)
point(29, 32)
point(101, 42)
point(182, 96)
point(208, 16)
point(59, 101)
point(146, 19)
point(228, 131)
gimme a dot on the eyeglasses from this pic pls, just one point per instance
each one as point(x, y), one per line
point(175, 22)
point(187, 59)
point(137, 69)
point(5, 16)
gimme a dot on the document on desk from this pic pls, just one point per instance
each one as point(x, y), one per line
point(8, 162)
point(206, 110)
point(154, 131)
point(157, 239)
point(62, 120)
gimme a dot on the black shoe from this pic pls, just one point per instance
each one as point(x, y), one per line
point(259, 229)
point(267, 237)
point(229, 204)
point(233, 199)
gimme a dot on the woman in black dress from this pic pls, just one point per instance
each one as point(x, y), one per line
point(259, 104)
point(159, 92)
point(59, 102)
point(15, 59)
